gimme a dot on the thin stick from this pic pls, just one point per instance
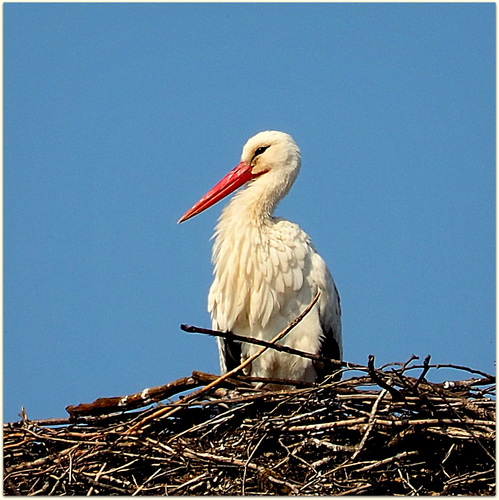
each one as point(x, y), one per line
point(426, 365)
point(485, 375)
point(396, 395)
point(371, 422)
point(388, 460)
point(255, 341)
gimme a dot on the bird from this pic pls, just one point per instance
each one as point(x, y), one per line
point(266, 269)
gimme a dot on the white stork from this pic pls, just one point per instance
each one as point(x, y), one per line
point(266, 268)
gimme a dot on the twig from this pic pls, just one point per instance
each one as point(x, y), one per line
point(389, 423)
point(192, 481)
point(370, 424)
point(249, 460)
point(396, 395)
point(353, 491)
point(385, 461)
point(437, 366)
point(105, 487)
point(426, 367)
point(264, 343)
point(138, 400)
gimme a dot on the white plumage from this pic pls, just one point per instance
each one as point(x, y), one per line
point(266, 270)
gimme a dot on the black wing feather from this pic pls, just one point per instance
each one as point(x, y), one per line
point(331, 350)
point(231, 353)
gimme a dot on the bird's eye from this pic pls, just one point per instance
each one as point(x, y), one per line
point(259, 151)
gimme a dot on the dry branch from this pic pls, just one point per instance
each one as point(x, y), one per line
point(263, 343)
point(140, 399)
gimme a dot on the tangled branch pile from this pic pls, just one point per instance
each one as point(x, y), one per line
point(381, 432)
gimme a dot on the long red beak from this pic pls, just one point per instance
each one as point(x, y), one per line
point(234, 179)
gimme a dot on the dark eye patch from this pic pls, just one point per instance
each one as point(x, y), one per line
point(259, 151)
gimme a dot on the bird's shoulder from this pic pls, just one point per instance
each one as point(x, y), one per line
point(290, 239)
point(288, 229)
point(286, 255)
point(292, 244)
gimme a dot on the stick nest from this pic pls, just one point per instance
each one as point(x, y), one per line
point(382, 432)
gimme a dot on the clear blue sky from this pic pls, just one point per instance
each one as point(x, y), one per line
point(118, 117)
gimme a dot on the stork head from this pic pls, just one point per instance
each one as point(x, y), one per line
point(270, 160)
point(271, 151)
